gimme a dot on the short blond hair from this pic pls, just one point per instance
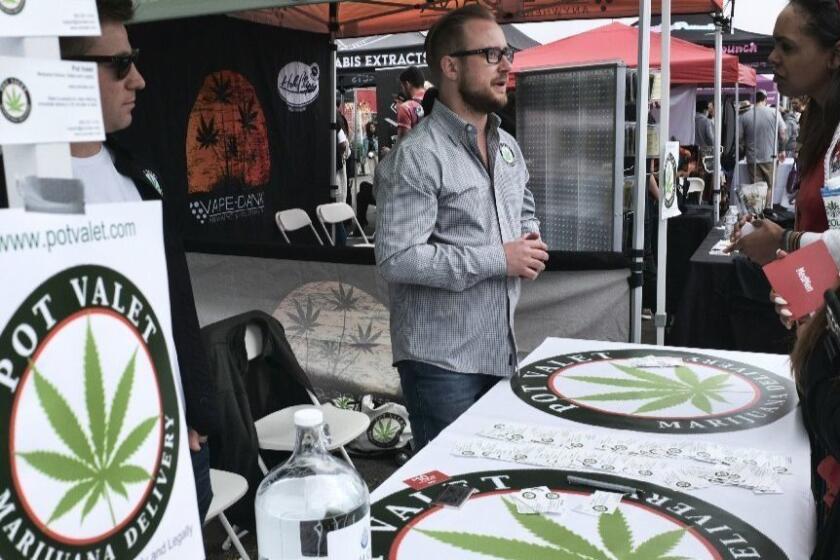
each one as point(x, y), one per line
point(447, 35)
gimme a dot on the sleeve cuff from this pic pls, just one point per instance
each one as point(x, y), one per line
point(497, 262)
point(530, 226)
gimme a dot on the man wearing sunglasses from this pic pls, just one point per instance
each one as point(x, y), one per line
point(110, 174)
point(456, 229)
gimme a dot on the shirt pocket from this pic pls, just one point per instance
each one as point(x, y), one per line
point(464, 209)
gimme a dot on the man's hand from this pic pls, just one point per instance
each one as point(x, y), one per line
point(526, 256)
point(761, 245)
point(195, 440)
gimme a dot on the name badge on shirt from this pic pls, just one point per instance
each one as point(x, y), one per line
point(153, 180)
point(831, 189)
point(507, 153)
point(832, 160)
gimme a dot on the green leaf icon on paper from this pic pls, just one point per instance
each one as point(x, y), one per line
point(660, 391)
point(14, 102)
point(562, 543)
point(96, 461)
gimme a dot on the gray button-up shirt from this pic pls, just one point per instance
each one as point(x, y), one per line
point(759, 130)
point(704, 130)
point(441, 221)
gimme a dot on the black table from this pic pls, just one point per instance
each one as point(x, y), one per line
point(725, 305)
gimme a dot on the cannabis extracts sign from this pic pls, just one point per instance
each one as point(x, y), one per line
point(88, 463)
point(654, 524)
point(655, 391)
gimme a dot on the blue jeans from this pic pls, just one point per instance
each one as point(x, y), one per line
point(201, 471)
point(435, 397)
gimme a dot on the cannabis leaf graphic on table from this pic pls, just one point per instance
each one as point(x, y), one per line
point(564, 544)
point(98, 461)
point(661, 391)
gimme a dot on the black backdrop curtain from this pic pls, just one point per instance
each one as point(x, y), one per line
point(235, 117)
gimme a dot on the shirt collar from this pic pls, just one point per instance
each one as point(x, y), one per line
point(456, 126)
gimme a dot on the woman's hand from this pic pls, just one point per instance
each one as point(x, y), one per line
point(743, 220)
point(761, 245)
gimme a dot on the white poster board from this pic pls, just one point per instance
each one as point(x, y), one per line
point(48, 18)
point(668, 207)
point(95, 460)
point(44, 100)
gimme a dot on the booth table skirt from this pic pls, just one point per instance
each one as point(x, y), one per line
point(725, 304)
point(685, 233)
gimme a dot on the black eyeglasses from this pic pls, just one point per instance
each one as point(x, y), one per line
point(121, 63)
point(493, 54)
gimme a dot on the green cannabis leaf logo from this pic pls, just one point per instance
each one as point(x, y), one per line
point(344, 402)
point(385, 429)
point(14, 101)
point(662, 392)
point(565, 544)
point(97, 465)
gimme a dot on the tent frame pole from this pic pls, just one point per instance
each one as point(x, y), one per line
point(736, 177)
point(718, 116)
point(661, 319)
point(333, 100)
point(768, 204)
point(642, 96)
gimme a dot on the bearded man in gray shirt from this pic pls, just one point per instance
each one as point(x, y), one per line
point(456, 229)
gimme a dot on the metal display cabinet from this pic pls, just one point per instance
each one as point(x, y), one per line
point(570, 125)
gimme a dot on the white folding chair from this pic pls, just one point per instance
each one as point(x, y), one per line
point(294, 219)
point(337, 212)
point(228, 488)
point(276, 431)
point(696, 185)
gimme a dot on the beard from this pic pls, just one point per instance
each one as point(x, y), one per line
point(481, 99)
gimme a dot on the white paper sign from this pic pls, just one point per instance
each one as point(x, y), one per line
point(668, 207)
point(96, 463)
point(49, 101)
point(48, 18)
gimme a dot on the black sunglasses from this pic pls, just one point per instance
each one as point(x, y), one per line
point(493, 54)
point(121, 63)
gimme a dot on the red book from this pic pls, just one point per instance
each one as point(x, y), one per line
point(802, 278)
point(424, 480)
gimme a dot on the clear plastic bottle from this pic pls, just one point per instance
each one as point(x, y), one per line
point(313, 505)
point(729, 222)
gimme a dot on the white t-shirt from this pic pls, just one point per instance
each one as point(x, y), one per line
point(103, 184)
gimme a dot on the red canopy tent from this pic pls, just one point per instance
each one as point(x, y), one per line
point(690, 63)
point(360, 18)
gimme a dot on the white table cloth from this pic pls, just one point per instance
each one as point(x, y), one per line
point(406, 526)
